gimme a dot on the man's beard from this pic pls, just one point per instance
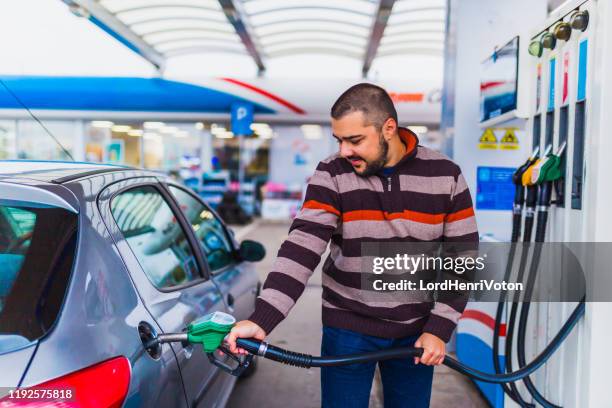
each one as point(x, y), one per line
point(376, 165)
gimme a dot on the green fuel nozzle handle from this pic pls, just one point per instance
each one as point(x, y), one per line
point(210, 330)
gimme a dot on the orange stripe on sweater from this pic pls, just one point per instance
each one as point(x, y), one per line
point(460, 215)
point(375, 215)
point(315, 205)
point(363, 215)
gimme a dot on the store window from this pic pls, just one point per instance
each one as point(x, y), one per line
point(114, 142)
point(97, 136)
point(168, 145)
point(228, 150)
point(154, 145)
point(255, 153)
point(7, 140)
point(35, 143)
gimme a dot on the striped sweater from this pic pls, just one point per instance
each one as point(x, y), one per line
point(426, 198)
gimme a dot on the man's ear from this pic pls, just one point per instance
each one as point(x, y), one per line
point(389, 129)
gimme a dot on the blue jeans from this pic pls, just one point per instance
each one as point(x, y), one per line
point(405, 384)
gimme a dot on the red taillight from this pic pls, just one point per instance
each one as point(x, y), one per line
point(102, 385)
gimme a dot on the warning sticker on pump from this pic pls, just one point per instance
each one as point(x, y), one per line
point(487, 140)
point(509, 141)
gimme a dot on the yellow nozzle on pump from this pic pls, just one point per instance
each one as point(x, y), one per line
point(532, 174)
point(537, 168)
point(526, 179)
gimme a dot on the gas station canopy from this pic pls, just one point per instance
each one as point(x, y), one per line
point(358, 29)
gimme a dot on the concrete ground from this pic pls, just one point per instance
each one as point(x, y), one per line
point(276, 385)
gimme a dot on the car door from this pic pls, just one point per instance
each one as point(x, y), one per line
point(237, 280)
point(162, 257)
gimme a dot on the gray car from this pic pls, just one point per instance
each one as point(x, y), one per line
point(97, 259)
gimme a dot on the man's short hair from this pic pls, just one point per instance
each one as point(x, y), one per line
point(372, 100)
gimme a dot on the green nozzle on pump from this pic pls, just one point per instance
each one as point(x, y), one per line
point(549, 169)
point(209, 330)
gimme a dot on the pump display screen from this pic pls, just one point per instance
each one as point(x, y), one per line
point(498, 81)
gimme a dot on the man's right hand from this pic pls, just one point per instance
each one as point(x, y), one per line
point(243, 329)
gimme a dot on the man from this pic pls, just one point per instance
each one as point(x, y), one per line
point(381, 186)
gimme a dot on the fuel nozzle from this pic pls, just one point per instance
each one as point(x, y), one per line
point(549, 168)
point(518, 174)
point(517, 179)
point(528, 178)
point(532, 195)
point(519, 194)
point(544, 173)
point(208, 331)
point(548, 172)
point(167, 338)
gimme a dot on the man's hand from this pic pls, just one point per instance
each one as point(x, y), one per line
point(434, 349)
point(243, 329)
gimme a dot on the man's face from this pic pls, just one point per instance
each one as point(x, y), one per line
point(361, 144)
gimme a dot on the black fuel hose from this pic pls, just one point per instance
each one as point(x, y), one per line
point(517, 211)
point(522, 329)
point(530, 203)
point(532, 199)
point(508, 349)
point(517, 219)
point(280, 355)
point(542, 217)
point(499, 316)
point(543, 206)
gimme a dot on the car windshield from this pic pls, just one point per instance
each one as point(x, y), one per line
point(37, 248)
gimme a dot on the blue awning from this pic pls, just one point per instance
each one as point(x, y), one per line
point(116, 94)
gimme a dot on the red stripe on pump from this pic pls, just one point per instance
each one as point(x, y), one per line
point(484, 319)
point(267, 94)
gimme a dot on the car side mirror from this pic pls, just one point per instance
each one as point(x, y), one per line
point(251, 251)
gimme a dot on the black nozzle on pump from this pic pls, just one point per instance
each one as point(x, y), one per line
point(518, 174)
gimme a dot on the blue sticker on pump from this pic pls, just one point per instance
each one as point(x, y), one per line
point(551, 84)
point(494, 188)
point(582, 70)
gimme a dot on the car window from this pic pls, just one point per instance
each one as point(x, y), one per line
point(208, 228)
point(155, 236)
point(37, 249)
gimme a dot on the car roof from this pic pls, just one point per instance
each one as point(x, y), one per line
point(54, 171)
